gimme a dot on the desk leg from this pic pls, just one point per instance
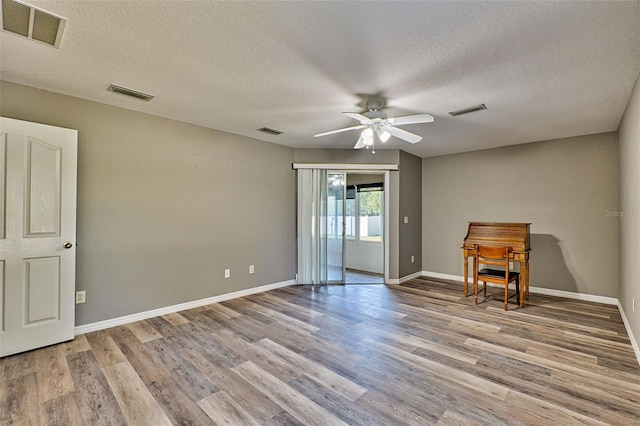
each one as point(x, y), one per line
point(466, 272)
point(524, 282)
point(527, 277)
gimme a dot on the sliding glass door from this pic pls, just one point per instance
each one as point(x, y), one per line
point(334, 218)
point(336, 196)
point(321, 239)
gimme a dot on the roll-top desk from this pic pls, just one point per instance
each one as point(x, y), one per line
point(500, 234)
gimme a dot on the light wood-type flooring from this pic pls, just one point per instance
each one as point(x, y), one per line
point(416, 353)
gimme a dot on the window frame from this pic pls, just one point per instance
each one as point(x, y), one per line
point(366, 187)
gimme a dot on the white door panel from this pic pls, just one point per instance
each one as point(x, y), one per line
point(37, 276)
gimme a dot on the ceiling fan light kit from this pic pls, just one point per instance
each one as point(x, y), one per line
point(376, 123)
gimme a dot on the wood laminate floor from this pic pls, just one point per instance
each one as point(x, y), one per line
point(416, 353)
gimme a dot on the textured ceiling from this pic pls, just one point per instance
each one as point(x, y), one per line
point(545, 70)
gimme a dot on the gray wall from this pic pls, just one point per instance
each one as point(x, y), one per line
point(564, 187)
point(164, 207)
point(629, 176)
point(411, 207)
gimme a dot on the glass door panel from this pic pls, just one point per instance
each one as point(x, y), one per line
point(336, 193)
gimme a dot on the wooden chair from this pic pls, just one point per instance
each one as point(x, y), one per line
point(497, 258)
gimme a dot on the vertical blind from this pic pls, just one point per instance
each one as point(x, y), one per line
point(312, 226)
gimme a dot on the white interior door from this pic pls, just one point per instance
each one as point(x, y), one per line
point(38, 169)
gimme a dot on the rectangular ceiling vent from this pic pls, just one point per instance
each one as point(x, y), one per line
point(33, 23)
point(469, 110)
point(270, 131)
point(130, 92)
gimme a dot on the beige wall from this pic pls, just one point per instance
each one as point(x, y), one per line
point(564, 187)
point(629, 176)
point(164, 207)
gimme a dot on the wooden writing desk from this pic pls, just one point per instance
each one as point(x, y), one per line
point(500, 234)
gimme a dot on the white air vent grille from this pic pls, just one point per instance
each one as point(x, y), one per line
point(28, 21)
point(469, 110)
point(130, 92)
point(270, 131)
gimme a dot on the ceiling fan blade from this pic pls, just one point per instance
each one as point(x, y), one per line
point(361, 118)
point(411, 119)
point(361, 126)
point(403, 134)
point(360, 143)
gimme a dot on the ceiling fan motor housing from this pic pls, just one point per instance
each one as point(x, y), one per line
point(374, 104)
point(375, 114)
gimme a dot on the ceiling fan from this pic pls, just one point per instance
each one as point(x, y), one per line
point(375, 122)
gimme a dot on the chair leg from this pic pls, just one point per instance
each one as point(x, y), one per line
point(520, 298)
point(506, 295)
point(484, 288)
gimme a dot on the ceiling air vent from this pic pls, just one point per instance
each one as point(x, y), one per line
point(28, 21)
point(130, 92)
point(270, 131)
point(468, 110)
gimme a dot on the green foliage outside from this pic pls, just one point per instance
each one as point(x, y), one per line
point(370, 203)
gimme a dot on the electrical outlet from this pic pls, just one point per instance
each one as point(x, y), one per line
point(413, 259)
point(227, 273)
point(406, 219)
point(81, 297)
point(251, 269)
point(510, 265)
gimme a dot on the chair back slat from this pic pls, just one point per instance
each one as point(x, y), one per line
point(494, 256)
point(493, 253)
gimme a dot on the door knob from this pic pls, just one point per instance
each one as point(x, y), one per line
point(67, 245)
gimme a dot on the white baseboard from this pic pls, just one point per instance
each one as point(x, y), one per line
point(565, 294)
point(405, 279)
point(634, 342)
point(537, 290)
point(442, 276)
point(101, 325)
